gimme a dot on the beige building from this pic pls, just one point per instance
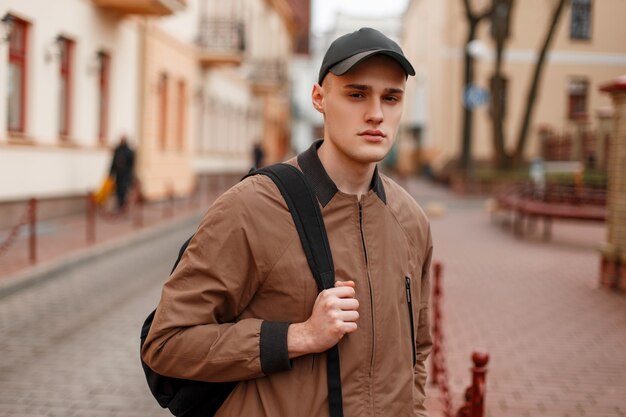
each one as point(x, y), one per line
point(169, 71)
point(588, 48)
point(245, 47)
point(192, 83)
point(68, 90)
point(214, 81)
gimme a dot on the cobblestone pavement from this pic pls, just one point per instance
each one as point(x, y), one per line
point(557, 342)
point(70, 345)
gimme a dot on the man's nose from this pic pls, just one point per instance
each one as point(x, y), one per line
point(374, 112)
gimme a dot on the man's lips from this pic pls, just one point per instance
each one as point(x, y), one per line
point(372, 132)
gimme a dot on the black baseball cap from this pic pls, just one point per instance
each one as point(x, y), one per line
point(350, 49)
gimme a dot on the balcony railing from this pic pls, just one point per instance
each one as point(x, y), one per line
point(221, 41)
point(269, 75)
point(143, 7)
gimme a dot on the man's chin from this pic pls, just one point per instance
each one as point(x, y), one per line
point(373, 156)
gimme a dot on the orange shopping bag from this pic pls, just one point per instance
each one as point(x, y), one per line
point(104, 191)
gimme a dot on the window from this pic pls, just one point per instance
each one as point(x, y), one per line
point(577, 91)
point(182, 114)
point(16, 91)
point(163, 110)
point(103, 96)
point(66, 57)
point(580, 24)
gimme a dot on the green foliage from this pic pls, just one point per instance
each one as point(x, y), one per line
point(592, 178)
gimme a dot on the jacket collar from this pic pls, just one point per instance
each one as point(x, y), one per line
point(324, 187)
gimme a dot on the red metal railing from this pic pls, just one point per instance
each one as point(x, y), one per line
point(475, 394)
point(133, 207)
point(29, 217)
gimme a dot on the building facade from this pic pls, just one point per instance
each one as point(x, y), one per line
point(191, 83)
point(243, 95)
point(66, 79)
point(587, 49)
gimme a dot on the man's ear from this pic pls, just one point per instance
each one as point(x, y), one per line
point(317, 97)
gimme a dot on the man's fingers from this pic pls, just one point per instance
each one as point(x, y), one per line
point(348, 304)
point(341, 292)
point(345, 284)
point(348, 316)
point(349, 327)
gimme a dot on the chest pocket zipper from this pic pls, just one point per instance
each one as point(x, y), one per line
point(409, 302)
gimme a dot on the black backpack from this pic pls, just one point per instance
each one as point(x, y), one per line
point(187, 398)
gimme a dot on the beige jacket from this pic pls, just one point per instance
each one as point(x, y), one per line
point(224, 312)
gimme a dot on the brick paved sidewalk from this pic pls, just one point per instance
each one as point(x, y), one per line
point(557, 341)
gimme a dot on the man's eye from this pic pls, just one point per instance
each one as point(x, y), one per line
point(392, 98)
point(357, 95)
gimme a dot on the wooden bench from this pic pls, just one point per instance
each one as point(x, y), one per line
point(554, 202)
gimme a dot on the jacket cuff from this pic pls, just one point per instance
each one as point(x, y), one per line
point(273, 346)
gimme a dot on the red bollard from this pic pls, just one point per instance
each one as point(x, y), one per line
point(91, 219)
point(436, 330)
point(138, 208)
point(474, 405)
point(32, 241)
point(168, 203)
point(479, 371)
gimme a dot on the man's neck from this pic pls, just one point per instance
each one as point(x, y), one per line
point(348, 176)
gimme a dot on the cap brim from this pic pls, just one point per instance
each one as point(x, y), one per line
point(348, 63)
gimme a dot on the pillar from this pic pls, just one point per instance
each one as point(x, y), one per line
point(613, 252)
point(603, 132)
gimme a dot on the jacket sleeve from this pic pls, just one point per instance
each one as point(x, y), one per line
point(424, 341)
point(197, 333)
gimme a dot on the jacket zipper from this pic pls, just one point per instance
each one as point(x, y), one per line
point(369, 281)
point(409, 301)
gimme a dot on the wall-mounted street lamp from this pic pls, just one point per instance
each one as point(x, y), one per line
point(55, 49)
point(94, 66)
point(7, 27)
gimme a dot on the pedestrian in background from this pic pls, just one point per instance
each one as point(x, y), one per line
point(258, 154)
point(122, 170)
point(242, 305)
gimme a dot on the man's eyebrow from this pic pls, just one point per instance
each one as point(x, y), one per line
point(365, 87)
point(362, 87)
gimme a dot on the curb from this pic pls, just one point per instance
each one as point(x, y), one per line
point(51, 269)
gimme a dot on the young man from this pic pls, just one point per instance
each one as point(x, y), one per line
point(243, 305)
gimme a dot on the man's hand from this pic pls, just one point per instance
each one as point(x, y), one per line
point(334, 315)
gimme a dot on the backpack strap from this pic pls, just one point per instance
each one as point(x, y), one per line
point(307, 217)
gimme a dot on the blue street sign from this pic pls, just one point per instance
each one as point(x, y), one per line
point(475, 96)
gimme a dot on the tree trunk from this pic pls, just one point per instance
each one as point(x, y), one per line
point(468, 114)
point(498, 100)
point(532, 93)
point(473, 20)
point(500, 21)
